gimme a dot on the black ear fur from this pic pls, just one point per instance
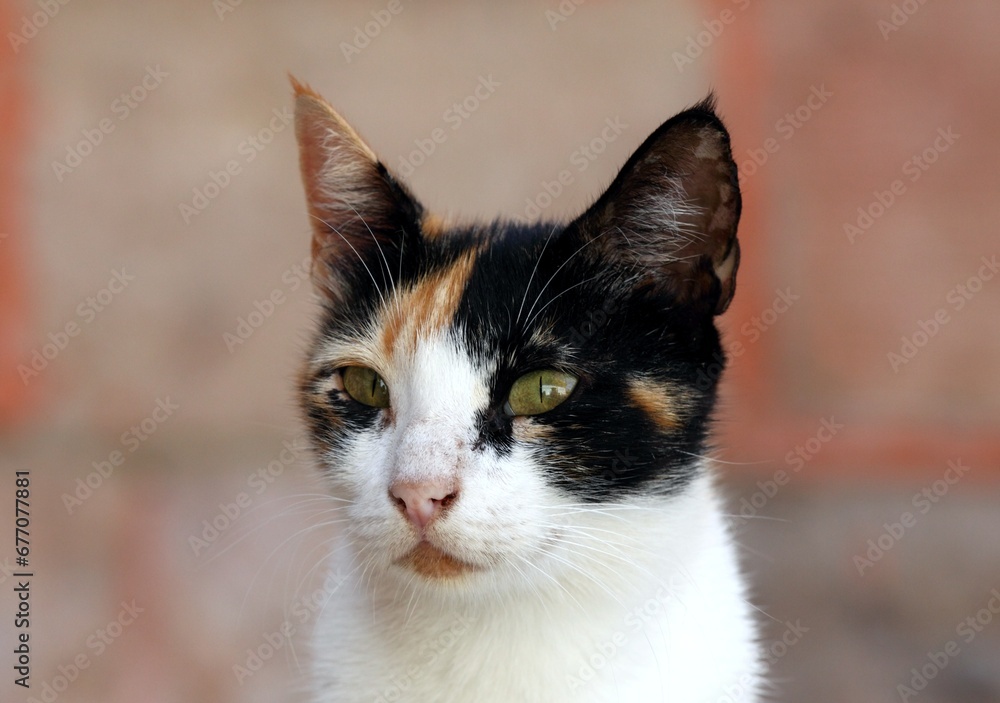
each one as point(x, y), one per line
point(673, 210)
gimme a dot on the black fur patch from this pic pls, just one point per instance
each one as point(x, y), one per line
point(537, 299)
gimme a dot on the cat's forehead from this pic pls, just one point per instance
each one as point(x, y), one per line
point(424, 308)
point(470, 285)
point(412, 328)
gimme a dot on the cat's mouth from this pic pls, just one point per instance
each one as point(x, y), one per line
point(427, 560)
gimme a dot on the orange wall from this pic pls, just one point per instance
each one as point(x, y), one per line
point(13, 297)
point(827, 356)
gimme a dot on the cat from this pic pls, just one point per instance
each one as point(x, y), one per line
point(511, 420)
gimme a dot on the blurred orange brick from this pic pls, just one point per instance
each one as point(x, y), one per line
point(14, 305)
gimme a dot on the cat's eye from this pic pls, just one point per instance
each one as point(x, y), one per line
point(539, 391)
point(366, 386)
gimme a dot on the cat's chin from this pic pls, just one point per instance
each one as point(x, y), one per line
point(433, 563)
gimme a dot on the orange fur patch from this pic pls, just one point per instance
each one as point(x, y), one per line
point(662, 403)
point(314, 393)
point(526, 429)
point(427, 560)
point(432, 226)
point(425, 308)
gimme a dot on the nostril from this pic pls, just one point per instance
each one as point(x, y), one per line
point(447, 500)
point(422, 502)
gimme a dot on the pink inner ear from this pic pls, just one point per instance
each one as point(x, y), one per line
point(713, 191)
point(350, 202)
point(339, 171)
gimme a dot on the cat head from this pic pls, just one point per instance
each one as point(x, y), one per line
point(474, 390)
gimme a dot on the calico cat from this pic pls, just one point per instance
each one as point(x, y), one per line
point(511, 420)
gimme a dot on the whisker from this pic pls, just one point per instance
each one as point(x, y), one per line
point(560, 268)
point(274, 551)
point(385, 261)
point(534, 270)
point(736, 516)
point(356, 253)
point(555, 297)
point(290, 510)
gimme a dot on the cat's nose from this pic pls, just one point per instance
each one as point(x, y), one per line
point(423, 501)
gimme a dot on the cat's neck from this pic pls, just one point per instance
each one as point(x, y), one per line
point(675, 593)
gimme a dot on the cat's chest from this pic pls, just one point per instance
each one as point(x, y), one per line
point(527, 655)
point(579, 649)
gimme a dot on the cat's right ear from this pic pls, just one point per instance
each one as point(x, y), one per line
point(360, 214)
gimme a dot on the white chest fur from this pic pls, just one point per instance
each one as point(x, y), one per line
point(670, 623)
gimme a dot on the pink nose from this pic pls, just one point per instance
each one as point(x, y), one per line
point(423, 501)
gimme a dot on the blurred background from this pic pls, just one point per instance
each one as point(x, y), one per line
point(153, 308)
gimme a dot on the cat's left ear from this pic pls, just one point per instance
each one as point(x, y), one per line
point(673, 209)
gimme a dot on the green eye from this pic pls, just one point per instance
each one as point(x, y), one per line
point(539, 391)
point(366, 386)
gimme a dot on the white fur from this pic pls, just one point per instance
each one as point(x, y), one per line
point(637, 601)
